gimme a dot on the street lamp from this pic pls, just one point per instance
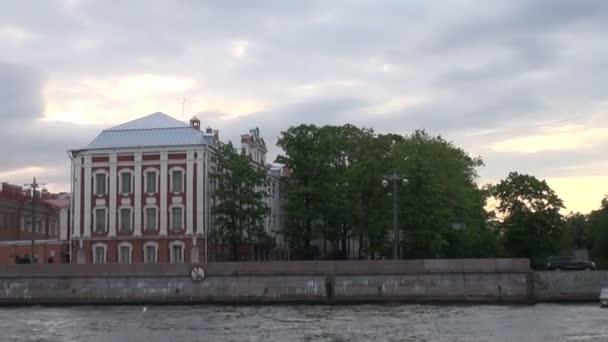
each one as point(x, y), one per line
point(395, 177)
point(33, 186)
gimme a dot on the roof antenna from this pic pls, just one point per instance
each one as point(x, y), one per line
point(184, 108)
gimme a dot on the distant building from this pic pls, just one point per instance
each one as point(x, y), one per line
point(143, 193)
point(254, 146)
point(49, 228)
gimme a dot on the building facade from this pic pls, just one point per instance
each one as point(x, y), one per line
point(142, 193)
point(49, 228)
point(254, 147)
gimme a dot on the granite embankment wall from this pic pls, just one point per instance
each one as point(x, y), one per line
point(483, 280)
point(571, 286)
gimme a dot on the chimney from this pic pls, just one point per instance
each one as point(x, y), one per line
point(209, 130)
point(195, 123)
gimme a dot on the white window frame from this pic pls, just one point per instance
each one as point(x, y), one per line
point(94, 252)
point(177, 243)
point(105, 230)
point(119, 249)
point(120, 173)
point(183, 171)
point(145, 228)
point(97, 172)
point(156, 180)
point(183, 223)
point(145, 248)
point(131, 218)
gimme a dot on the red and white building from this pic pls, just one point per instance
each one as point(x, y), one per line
point(142, 193)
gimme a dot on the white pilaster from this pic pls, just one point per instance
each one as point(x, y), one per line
point(77, 196)
point(113, 195)
point(200, 193)
point(208, 195)
point(87, 196)
point(190, 191)
point(163, 194)
point(137, 193)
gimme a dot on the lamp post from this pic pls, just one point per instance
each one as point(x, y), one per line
point(395, 178)
point(33, 186)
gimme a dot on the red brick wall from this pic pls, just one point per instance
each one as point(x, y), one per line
point(43, 252)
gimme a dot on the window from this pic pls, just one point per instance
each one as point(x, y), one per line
point(177, 252)
point(125, 182)
point(150, 182)
point(150, 254)
point(125, 220)
point(176, 218)
point(150, 219)
point(100, 220)
point(177, 178)
point(124, 254)
point(99, 254)
point(100, 183)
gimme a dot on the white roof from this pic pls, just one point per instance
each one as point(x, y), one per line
point(153, 130)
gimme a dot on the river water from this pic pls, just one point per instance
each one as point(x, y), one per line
point(306, 323)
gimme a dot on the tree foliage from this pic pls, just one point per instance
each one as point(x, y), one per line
point(334, 192)
point(596, 232)
point(239, 209)
point(532, 225)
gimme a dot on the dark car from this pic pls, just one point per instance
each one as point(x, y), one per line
point(568, 263)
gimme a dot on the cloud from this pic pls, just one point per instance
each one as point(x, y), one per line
point(496, 77)
point(21, 92)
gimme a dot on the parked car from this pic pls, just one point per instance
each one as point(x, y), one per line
point(558, 263)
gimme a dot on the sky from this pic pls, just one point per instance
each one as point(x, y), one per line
point(521, 83)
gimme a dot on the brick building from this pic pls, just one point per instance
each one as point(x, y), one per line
point(142, 192)
point(49, 228)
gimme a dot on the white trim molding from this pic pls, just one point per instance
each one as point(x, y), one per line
point(131, 182)
point(131, 216)
point(171, 207)
point(163, 189)
point(171, 257)
point(94, 253)
point(172, 169)
point(145, 214)
point(105, 230)
point(144, 251)
point(119, 252)
point(107, 185)
point(156, 180)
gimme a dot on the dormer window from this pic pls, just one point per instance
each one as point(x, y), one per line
point(195, 123)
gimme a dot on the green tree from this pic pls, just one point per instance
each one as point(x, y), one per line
point(239, 209)
point(334, 192)
point(597, 233)
point(303, 188)
point(531, 223)
point(442, 194)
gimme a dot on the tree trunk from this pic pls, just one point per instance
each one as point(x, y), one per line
point(360, 246)
point(234, 250)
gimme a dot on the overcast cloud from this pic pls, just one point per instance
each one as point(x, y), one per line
point(521, 83)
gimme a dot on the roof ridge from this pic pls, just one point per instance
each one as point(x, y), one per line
point(151, 121)
point(147, 129)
